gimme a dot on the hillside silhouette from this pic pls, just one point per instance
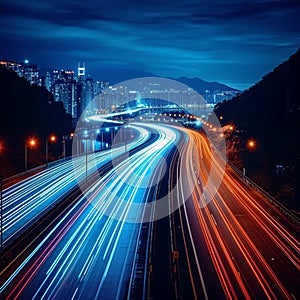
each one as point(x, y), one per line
point(268, 112)
point(27, 111)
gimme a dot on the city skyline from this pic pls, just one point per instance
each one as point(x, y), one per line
point(235, 42)
point(76, 90)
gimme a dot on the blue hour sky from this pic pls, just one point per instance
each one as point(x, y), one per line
point(232, 42)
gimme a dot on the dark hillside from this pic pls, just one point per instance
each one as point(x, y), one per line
point(27, 111)
point(268, 112)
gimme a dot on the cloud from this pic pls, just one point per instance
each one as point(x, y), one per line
point(170, 38)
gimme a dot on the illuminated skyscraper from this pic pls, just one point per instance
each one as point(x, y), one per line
point(26, 70)
point(55, 76)
point(89, 91)
point(15, 66)
point(100, 86)
point(81, 71)
point(31, 73)
point(48, 81)
point(74, 93)
point(81, 89)
point(64, 89)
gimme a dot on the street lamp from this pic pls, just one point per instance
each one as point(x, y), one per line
point(86, 160)
point(52, 139)
point(85, 138)
point(250, 145)
point(31, 143)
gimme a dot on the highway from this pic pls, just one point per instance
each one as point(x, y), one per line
point(26, 201)
point(119, 240)
point(232, 233)
point(89, 252)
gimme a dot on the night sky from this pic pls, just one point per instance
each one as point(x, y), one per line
point(232, 42)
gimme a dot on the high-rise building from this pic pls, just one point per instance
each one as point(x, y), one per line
point(80, 97)
point(89, 92)
point(28, 71)
point(74, 93)
point(15, 66)
point(31, 73)
point(100, 86)
point(81, 71)
point(48, 81)
point(64, 88)
point(55, 76)
point(62, 75)
point(80, 93)
point(68, 75)
point(66, 91)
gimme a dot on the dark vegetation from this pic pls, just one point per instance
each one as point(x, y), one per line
point(268, 112)
point(28, 111)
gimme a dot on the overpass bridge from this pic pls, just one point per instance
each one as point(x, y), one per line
point(183, 114)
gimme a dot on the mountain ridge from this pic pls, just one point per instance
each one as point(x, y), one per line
point(198, 84)
point(269, 113)
point(201, 85)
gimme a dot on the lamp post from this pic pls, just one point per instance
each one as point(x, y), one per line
point(85, 138)
point(86, 161)
point(125, 138)
point(250, 145)
point(102, 140)
point(52, 139)
point(31, 143)
point(107, 129)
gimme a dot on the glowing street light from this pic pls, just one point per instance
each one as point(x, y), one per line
point(29, 143)
point(251, 144)
point(32, 142)
point(52, 138)
point(86, 137)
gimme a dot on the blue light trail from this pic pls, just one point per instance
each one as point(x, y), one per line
point(28, 200)
point(90, 251)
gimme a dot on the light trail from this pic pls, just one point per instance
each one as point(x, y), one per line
point(242, 232)
point(236, 244)
point(91, 253)
point(28, 200)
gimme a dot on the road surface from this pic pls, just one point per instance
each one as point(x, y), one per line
point(89, 253)
point(226, 241)
point(28, 200)
point(253, 249)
